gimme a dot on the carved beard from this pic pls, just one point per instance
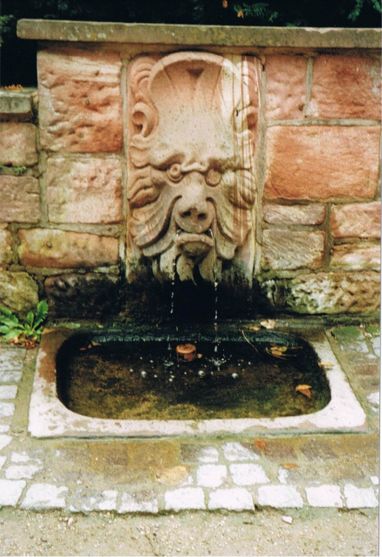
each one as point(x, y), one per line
point(173, 246)
point(191, 157)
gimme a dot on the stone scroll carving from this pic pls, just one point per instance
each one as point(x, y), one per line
point(191, 180)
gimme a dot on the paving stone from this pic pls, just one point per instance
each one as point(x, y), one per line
point(283, 475)
point(104, 501)
point(10, 376)
point(11, 359)
point(233, 499)
point(6, 409)
point(4, 440)
point(374, 480)
point(211, 475)
point(236, 452)
point(376, 342)
point(184, 498)
point(44, 496)
point(10, 492)
point(8, 392)
point(20, 457)
point(2, 460)
point(21, 471)
point(373, 398)
point(4, 428)
point(279, 496)
point(248, 474)
point(133, 504)
point(359, 497)
point(324, 496)
point(208, 455)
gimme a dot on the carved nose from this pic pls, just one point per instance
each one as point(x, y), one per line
point(194, 214)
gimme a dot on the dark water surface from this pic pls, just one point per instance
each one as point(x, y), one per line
point(146, 380)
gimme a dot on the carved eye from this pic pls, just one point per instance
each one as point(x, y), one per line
point(213, 177)
point(174, 172)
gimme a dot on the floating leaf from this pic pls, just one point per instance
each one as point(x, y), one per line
point(305, 390)
point(277, 351)
point(225, 4)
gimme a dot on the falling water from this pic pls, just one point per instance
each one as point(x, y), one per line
point(172, 301)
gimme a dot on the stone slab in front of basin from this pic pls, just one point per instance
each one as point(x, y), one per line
point(48, 417)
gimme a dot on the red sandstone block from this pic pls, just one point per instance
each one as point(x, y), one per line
point(80, 101)
point(61, 249)
point(84, 190)
point(19, 199)
point(356, 219)
point(356, 257)
point(286, 87)
point(322, 162)
point(346, 87)
point(286, 249)
point(17, 144)
point(294, 214)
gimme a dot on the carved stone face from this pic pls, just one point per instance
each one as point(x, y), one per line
point(191, 185)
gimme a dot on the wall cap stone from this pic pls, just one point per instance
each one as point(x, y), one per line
point(206, 35)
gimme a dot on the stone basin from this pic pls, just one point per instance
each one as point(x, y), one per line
point(49, 417)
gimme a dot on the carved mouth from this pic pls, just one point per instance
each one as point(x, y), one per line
point(195, 244)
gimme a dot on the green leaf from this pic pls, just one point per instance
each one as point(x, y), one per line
point(29, 318)
point(11, 335)
point(6, 311)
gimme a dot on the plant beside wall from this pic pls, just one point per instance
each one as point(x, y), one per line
point(26, 332)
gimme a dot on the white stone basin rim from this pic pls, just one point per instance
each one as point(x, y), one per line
point(48, 417)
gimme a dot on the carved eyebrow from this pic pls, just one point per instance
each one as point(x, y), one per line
point(166, 161)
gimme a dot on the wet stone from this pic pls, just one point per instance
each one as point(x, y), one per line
point(236, 452)
point(135, 504)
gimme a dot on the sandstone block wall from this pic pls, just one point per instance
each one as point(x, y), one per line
point(63, 208)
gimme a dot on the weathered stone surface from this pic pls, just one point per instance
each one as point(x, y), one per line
point(321, 162)
point(196, 35)
point(356, 257)
point(84, 190)
point(14, 103)
point(361, 220)
point(346, 87)
point(89, 295)
point(294, 214)
point(286, 88)
point(80, 100)
point(60, 249)
point(292, 249)
point(18, 291)
point(20, 199)
point(17, 144)
point(5, 247)
point(191, 178)
point(325, 292)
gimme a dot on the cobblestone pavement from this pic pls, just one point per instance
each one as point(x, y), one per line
point(150, 476)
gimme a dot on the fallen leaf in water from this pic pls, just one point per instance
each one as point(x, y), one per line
point(260, 444)
point(305, 390)
point(277, 351)
point(268, 323)
point(289, 465)
point(225, 4)
point(240, 14)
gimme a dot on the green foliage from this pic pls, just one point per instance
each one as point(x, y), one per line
point(28, 329)
point(15, 170)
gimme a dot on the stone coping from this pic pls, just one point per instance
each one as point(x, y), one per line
point(198, 35)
